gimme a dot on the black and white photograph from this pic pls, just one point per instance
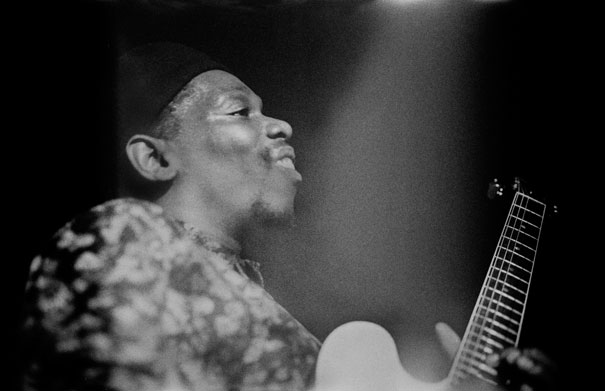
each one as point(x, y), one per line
point(301, 195)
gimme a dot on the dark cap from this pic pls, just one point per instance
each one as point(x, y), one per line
point(148, 79)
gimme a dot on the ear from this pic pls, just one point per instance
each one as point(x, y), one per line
point(152, 157)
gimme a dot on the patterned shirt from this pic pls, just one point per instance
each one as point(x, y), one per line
point(125, 298)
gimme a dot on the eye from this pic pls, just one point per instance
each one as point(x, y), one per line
point(245, 112)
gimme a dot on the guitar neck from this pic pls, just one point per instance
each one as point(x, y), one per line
point(498, 314)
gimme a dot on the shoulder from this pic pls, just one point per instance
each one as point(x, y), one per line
point(90, 280)
point(104, 236)
point(116, 222)
point(120, 246)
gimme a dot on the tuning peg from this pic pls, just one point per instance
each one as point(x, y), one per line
point(494, 189)
point(554, 210)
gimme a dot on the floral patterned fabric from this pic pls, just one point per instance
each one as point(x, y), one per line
point(125, 298)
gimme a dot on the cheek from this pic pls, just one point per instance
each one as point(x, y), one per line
point(232, 140)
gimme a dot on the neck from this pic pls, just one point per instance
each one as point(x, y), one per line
point(210, 220)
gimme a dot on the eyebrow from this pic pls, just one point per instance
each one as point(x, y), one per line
point(240, 93)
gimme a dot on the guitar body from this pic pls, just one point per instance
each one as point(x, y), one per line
point(362, 356)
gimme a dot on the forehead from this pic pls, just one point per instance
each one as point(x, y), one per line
point(215, 87)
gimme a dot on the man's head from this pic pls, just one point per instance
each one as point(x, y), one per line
point(212, 147)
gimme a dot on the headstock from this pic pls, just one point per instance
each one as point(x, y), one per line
point(497, 189)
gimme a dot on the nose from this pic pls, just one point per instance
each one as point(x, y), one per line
point(276, 128)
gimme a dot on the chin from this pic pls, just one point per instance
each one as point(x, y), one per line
point(273, 213)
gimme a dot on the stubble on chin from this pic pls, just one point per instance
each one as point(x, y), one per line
point(267, 216)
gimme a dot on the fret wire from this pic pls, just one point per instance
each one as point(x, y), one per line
point(497, 313)
point(514, 264)
point(541, 220)
point(511, 275)
point(513, 235)
point(470, 362)
point(528, 210)
point(535, 218)
point(501, 326)
point(510, 261)
point(484, 291)
point(482, 326)
point(526, 239)
point(524, 233)
point(483, 330)
point(472, 353)
point(506, 306)
point(484, 348)
point(468, 369)
point(477, 367)
point(505, 295)
point(514, 247)
point(517, 254)
point(539, 211)
point(494, 336)
point(492, 342)
point(517, 219)
point(526, 222)
point(530, 198)
point(521, 243)
point(506, 301)
point(499, 335)
point(507, 284)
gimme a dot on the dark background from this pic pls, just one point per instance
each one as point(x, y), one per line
point(402, 115)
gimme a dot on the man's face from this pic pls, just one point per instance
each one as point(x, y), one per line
point(232, 155)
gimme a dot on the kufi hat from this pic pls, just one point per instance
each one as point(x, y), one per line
point(148, 79)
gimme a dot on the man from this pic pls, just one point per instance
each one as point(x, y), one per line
point(150, 292)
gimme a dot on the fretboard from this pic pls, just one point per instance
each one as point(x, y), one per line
point(498, 314)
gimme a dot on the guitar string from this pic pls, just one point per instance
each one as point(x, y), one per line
point(497, 275)
point(501, 274)
point(542, 215)
point(482, 321)
point(472, 332)
point(512, 241)
point(507, 272)
point(504, 271)
point(507, 278)
point(523, 216)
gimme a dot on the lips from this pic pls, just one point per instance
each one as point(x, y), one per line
point(284, 157)
point(285, 162)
